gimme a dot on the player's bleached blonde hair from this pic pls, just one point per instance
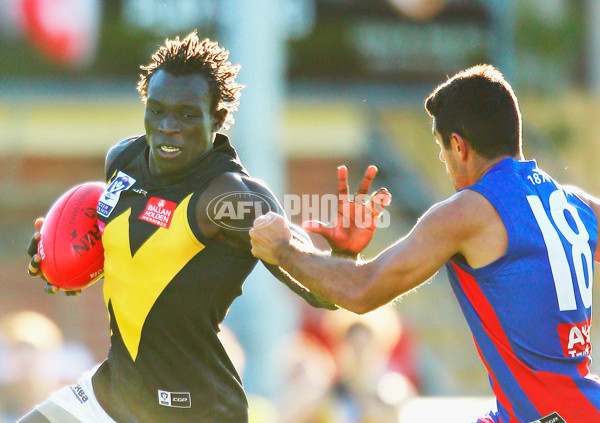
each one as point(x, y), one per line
point(191, 56)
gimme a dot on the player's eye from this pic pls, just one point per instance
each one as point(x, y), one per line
point(154, 110)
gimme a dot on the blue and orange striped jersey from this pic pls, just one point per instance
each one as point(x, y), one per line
point(530, 310)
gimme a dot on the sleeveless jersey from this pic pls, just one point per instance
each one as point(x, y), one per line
point(167, 288)
point(530, 310)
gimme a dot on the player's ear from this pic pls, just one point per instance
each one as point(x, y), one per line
point(218, 119)
point(460, 145)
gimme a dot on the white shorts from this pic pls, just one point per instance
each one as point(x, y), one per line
point(75, 404)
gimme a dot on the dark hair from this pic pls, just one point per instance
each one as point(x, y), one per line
point(192, 56)
point(480, 105)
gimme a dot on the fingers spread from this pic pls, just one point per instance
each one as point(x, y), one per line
point(367, 179)
point(342, 175)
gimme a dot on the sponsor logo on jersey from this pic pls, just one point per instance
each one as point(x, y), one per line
point(175, 399)
point(551, 418)
point(79, 393)
point(111, 194)
point(159, 212)
point(575, 338)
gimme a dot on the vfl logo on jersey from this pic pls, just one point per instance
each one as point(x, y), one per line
point(111, 194)
point(159, 212)
point(175, 399)
point(551, 418)
point(575, 338)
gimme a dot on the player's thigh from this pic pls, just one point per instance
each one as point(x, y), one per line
point(33, 416)
point(49, 412)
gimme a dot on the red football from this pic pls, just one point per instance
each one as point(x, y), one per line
point(71, 243)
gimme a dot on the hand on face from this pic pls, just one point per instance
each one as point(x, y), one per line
point(353, 226)
point(268, 236)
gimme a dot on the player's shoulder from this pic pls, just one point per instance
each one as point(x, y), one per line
point(237, 181)
point(466, 209)
point(227, 182)
point(232, 198)
point(236, 186)
point(466, 202)
point(117, 149)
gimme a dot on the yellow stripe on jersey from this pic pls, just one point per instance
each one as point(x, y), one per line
point(133, 284)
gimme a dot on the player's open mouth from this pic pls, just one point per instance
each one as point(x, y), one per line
point(169, 150)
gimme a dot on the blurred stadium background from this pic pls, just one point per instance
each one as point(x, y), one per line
point(328, 82)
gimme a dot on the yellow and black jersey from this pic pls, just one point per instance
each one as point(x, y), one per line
point(167, 288)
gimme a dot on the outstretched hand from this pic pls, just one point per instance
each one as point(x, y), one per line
point(34, 264)
point(353, 227)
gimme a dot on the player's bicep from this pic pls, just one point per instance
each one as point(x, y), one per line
point(231, 203)
point(260, 190)
point(417, 257)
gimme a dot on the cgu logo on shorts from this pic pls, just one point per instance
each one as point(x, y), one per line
point(175, 399)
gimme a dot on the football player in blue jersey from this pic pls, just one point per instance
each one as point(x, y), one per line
point(518, 246)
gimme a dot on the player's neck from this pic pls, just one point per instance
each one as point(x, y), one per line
point(488, 164)
point(479, 166)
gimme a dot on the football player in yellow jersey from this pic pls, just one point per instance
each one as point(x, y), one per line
point(173, 263)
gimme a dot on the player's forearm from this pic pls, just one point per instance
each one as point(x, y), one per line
point(341, 281)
